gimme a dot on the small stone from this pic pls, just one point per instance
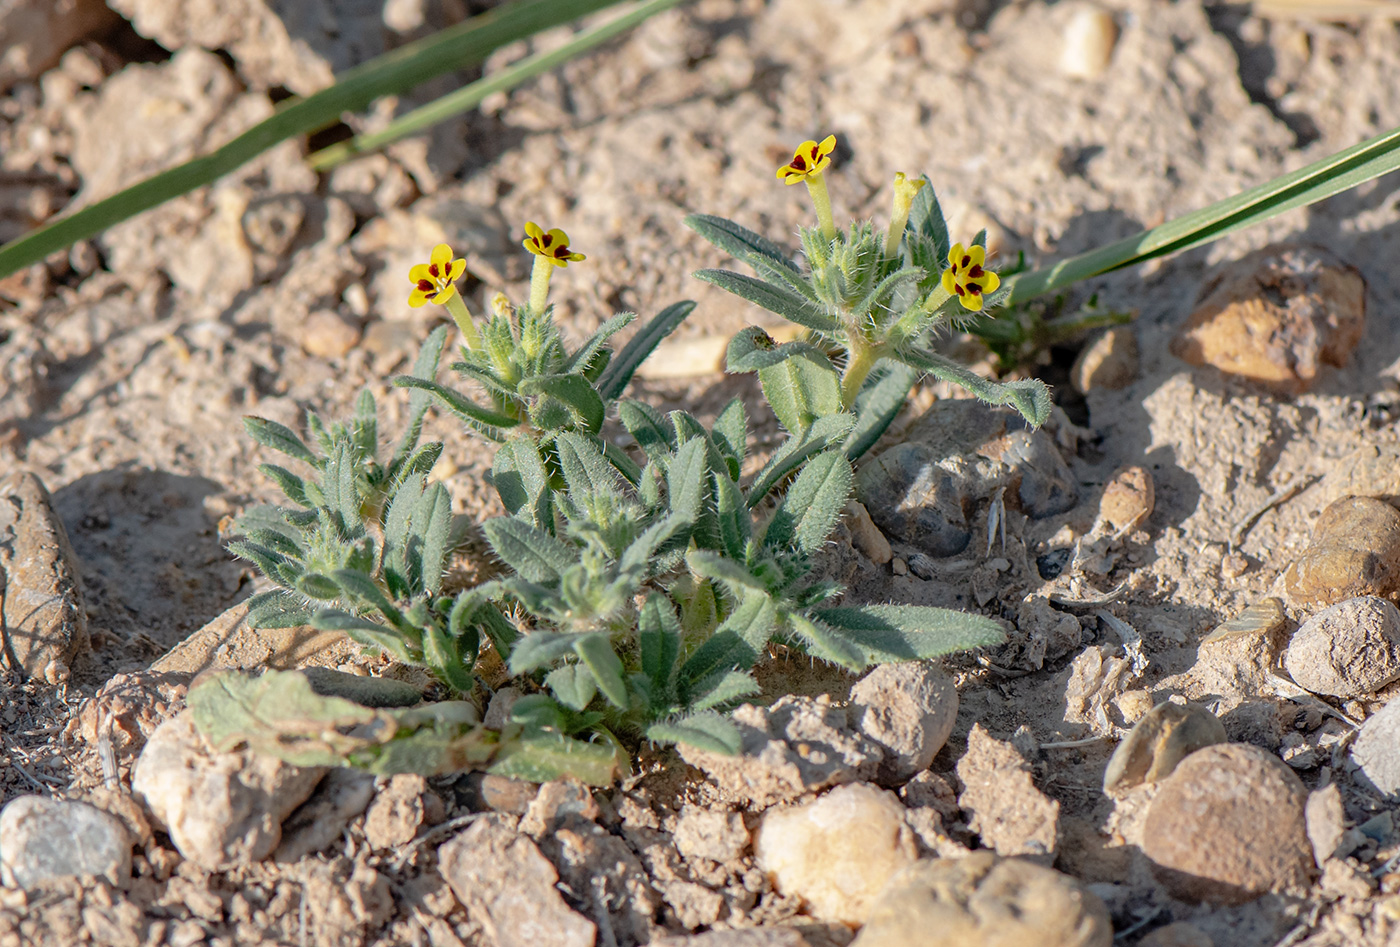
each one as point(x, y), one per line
point(1010, 814)
point(127, 709)
point(866, 536)
point(1355, 550)
point(1178, 934)
point(797, 745)
point(328, 334)
point(397, 812)
point(559, 802)
point(1087, 44)
point(1127, 499)
point(1133, 705)
point(321, 820)
point(898, 566)
point(1348, 650)
point(908, 709)
point(1234, 565)
point(1043, 633)
point(836, 853)
point(1110, 362)
point(44, 627)
point(503, 794)
point(1369, 471)
point(1262, 618)
point(1341, 879)
point(34, 34)
point(922, 566)
point(1326, 822)
point(1276, 317)
point(53, 838)
point(220, 809)
point(708, 833)
point(985, 901)
point(498, 710)
point(1377, 751)
point(1227, 826)
point(508, 887)
point(1166, 735)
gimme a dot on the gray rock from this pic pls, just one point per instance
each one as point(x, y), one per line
point(220, 809)
point(1348, 650)
point(35, 33)
point(44, 626)
point(1377, 751)
point(909, 709)
point(923, 491)
point(320, 820)
point(702, 832)
point(1228, 826)
point(985, 901)
point(1326, 822)
point(1010, 814)
point(54, 838)
point(795, 746)
point(508, 887)
point(1165, 735)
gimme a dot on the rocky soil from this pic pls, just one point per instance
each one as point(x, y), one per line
point(1188, 738)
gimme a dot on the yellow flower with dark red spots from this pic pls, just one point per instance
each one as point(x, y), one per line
point(433, 282)
point(967, 278)
point(552, 245)
point(809, 160)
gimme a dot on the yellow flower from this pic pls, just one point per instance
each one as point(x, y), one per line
point(433, 281)
point(966, 278)
point(552, 246)
point(809, 160)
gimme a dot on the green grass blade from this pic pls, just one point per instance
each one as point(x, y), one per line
point(457, 47)
point(1321, 179)
point(471, 95)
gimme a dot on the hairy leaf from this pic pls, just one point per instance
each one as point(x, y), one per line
point(705, 731)
point(776, 299)
point(279, 437)
point(620, 371)
point(531, 552)
point(1030, 397)
point(809, 511)
point(597, 652)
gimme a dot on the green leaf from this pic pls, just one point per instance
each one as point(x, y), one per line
point(802, 389)
point(270, 563)
point(572, 390)
point(540, 649)
point(793, 452)
point(685, 481)
point(1029, 397)
point(364, 632)
point(585, 469)
point(733, 516)
point(425, 366)
point(522, 481)
point(278, 608)
point(717, 568)
point(652, 434)
point(704, 731)
point(910, 632)
point(809, 511)
point(458, 403)
point(740, 242)
point(546, 757)
point(278, 437)
point(597, 652)
point(338, 485)
point(622, 463)
point(776, 299)
point(317, 586)
point(443, 658)
point(361, 588)
point(581, 359)
point(723, 688)
point(877, 405)
point(572, 685)
point(292, 485)
point(620, 371)
point(926, 220)
point(730, 435)
point(736, 643)
point(432, 522)
point(828, 643)
point(752, 348)
point(531, 552)
point(659, 642)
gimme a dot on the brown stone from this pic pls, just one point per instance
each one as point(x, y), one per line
point(1158, 742)
point(1128, 498)
point(1355, 550)
point(1228, 826)
point(1110, 362)
point(44, 624)
point(1276, 317)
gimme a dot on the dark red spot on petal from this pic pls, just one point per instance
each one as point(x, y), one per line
point(975, 272)
point(425, 286)
point(562, 253)
point(433, 270)
point(546, 240)
point(974, 288)
point(957, 288)
point(965, 261)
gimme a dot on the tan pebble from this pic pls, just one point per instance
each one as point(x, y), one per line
point(1088, 42)
point(1370, 471)
point(865, 535)
point(898, 566)
point(1355, 550)
point(1178, 934)
point(1261, 618)
point(1133, 704)
point(1228, 826)
point(1166, 735)
point(1276, 317)
point(1128, 498)
point(1234, 565)
point(1110, 362)
point(327, 334)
